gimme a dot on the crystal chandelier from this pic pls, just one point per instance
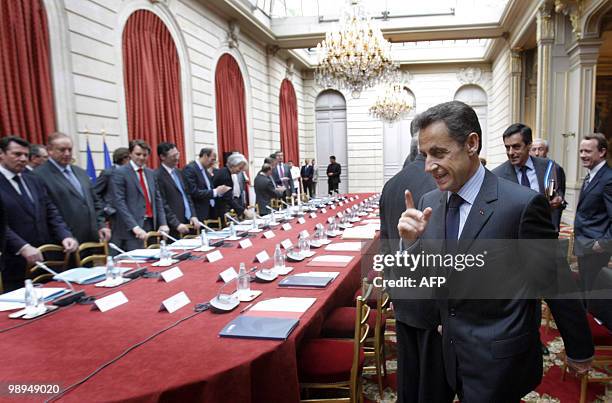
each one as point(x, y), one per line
point(356, 57)
point(392, 104)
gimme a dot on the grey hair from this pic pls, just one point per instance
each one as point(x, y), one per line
point(235, 160)
point(414, 147)
point(539, 140)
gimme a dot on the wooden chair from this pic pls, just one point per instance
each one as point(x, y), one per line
point(602, 361)
point(337, 364)
point(193, 232)
point(276, 204)
point(153, 239)
point(339, 325)
point(214, 223)
point(96, 259)
point(39, 275)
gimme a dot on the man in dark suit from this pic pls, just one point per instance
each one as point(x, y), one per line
point(420, 369)
point(71, 191)
point(33, 220)
point(199, 184)
point(307, 172)
point(234, 164)
point(121, 156)
point(179, 207)
point(539, 148)
point(491, 346)
point(38, 156)
point(281, 174)
point(524, 169)
point(593, 225)
point(265, 189)
point(333, 175)
point(136, 197)
point(2, 238)
point(569, 314)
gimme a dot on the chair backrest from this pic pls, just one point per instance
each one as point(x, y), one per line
point(214, 223)
point(38, 275)
point(275, 203)
point(152, 240)
point(193, 232)
point(361, 333)
point(96, 259)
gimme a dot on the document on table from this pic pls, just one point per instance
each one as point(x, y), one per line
point(284, 304)
point(360, 232)
point(331, 260)
point(18, 296)
point(344, 247)
point(332, 274)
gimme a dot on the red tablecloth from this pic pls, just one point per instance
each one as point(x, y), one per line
point(189, 362)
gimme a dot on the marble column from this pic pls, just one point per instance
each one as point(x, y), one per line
point(545, 36)
point(516, 70)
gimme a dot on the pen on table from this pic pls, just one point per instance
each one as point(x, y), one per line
point(247, 307)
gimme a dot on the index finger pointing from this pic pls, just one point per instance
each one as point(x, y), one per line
point(409, 201)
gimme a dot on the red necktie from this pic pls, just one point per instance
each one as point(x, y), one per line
point(148, 208)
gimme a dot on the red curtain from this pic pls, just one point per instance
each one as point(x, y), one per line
point(26, 91)
point(152, 83)
point(289, 123)
point(230, 105)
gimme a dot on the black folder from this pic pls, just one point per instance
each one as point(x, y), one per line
point(258, 327)
point(305, 281)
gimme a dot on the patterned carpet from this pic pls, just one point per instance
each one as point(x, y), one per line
point(551, 390)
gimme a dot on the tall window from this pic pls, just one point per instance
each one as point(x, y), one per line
point(230, 108)
point(152, 83)
point(289, 123)
point(26, 91)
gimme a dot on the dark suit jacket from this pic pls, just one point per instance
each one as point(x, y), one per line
point(306, 172)
point(104, 192)
point(288, 183)
point(2, 234)
point(83, 214)
point(569, 314)
point(38, 227)
point(173, 199)
point(336, 170)
point(592, 222)
point(227, 201)
point(199, 192)
point(129, 201)
point(495, 342)
point(506, 171)
point(421, 313)
point(264, 192)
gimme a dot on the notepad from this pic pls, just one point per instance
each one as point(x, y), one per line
point(361, 232)
point(284, 304)
point(144, 254)
point(344, 247)
point(331, 261)
point(48, 293)
point(190, 243)
point(256, 327)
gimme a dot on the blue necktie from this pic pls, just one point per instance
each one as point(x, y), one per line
point(73, 180)
point(524, 178)
point(452, 222)
point(176, 179)
point(205, 175)
point(24, 194)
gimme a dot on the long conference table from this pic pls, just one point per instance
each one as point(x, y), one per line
point(188, 362)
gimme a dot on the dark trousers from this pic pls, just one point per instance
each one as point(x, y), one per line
point(596, 285)
point(333, 186)
point(420, 367)
point(133, 242)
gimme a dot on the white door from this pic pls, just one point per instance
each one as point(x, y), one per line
point(396, 142)
point(476, 97)
point(330, 109)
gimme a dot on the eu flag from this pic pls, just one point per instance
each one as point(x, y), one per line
point(91, 169)
point(107, 158)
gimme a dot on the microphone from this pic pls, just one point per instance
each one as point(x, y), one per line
point(67, 299)
point(205, 226)
point(232, 218)
point(134, 273)
point(285, 203)
point(164, 233)
point(271, 209)
point(224, 303)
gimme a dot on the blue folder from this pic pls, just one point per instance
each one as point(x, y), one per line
point(257, 327)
